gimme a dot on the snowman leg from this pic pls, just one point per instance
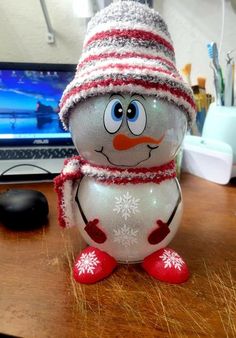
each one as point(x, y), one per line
point(167, 266)
point(93, 265)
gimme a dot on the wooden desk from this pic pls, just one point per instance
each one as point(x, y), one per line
point(38, 297)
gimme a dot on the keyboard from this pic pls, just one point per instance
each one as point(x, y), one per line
point(37, 153)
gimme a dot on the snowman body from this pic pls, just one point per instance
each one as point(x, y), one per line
point(128, 214)
point(127, 190)
point(122, 191)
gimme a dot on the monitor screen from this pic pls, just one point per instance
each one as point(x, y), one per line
point(29, 101)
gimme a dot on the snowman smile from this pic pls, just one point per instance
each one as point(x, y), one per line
point(150, 149)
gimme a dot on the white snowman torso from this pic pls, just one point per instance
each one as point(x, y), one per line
point(127, 215)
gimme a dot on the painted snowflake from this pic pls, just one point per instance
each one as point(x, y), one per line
point(126, 205)
point(171, 258)
point(87, 263)
point(125, 236)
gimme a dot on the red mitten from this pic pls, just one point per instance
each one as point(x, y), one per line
point(93, 265)
point(95, 232)
point(157, 235)
point(166, 266)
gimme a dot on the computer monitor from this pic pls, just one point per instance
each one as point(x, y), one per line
point(29, 103)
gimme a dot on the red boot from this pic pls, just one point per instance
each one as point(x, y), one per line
point(93, 265)
point(166, 266)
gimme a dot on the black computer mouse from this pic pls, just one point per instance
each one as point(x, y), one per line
point(22, 209)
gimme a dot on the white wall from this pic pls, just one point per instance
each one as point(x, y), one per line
point(23, 31)
point(192, 23)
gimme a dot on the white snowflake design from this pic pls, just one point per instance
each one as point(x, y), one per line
point(126, 205)
point(87, 263)
point(125, 236)
point(171, 258)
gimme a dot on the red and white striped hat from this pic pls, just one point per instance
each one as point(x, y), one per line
point(127, 49)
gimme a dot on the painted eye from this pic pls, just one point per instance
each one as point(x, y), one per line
point(136, 117)
point(113, 116)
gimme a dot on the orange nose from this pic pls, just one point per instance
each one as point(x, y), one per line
point(123, 142)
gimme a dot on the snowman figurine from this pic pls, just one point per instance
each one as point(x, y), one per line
point(127, 109)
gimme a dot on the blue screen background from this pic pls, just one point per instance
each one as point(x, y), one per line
point(29, 101)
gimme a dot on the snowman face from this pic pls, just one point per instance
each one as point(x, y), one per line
point(125, 130)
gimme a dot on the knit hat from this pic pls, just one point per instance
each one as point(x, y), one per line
point(127, 49)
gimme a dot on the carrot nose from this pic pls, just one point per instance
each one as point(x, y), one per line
point(123, 142)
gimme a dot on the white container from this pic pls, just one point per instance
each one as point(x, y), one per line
point(207, 158)
point(220, 124)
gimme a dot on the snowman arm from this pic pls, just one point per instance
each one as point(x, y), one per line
point(79, 205)
point(65, 186)
point(176, 205)
point(160, 233)
point(91, 226)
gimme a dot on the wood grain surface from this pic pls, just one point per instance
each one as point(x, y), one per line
point(39, 298)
